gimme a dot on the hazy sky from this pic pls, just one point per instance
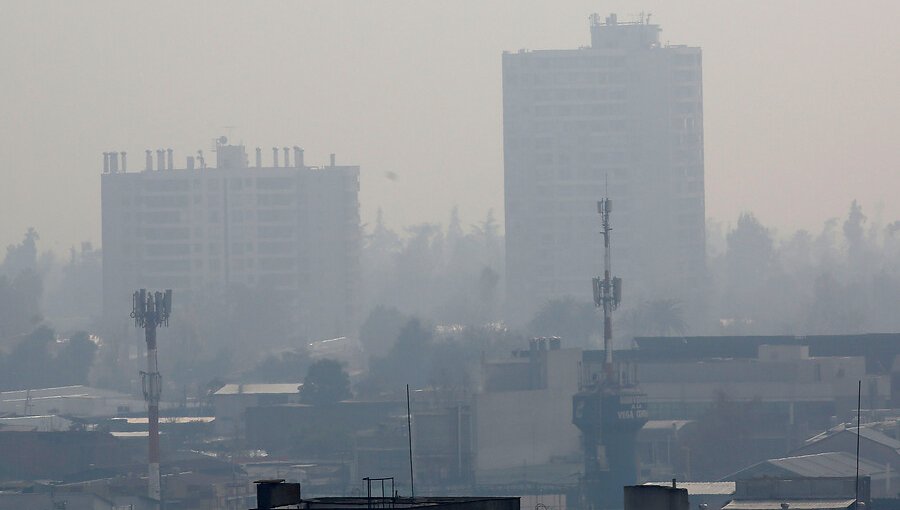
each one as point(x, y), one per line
point(801, 101)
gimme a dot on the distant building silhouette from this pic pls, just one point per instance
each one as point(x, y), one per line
point(622, 118)
point(288, 227)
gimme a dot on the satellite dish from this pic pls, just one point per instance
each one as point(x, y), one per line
point(223, 140)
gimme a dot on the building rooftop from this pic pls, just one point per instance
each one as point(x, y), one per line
point(259, 389)
point(799, 504)
point(866, 433)
point(702, 488)
point(60, 392)
point(819, 465)
point(391, 503)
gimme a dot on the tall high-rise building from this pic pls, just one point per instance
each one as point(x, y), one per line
point(288, 228)
point(621, 118)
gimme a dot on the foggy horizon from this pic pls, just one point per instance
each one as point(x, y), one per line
point(798, 105)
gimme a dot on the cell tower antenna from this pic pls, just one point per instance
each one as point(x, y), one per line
point(149, 311)
point(607, 289)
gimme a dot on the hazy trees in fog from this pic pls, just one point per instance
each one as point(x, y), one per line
point(40, 360)
point(280, 367)
point(659, 317)
point(575, 321)
point(450, 275)
point(21, 289)
point(325, 383)
point(75, 289)
point(23, 256)
point(380, 329)
point(843, 279)
point(444, 357)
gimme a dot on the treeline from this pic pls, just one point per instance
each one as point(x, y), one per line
point(32, 354)
point(432, 302)
point(844, 278)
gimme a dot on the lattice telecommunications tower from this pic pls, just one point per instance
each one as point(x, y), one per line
point(149, 311)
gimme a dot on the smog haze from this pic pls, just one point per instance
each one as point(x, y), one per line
point(799, 99)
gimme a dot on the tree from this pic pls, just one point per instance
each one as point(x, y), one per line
point(75, 360)
point(660, 317)
point(576, 322)
point(26, 366)
point(281, 367)
point(380, 330)
point(326, 383)
point(408, 361)
point(23, 256)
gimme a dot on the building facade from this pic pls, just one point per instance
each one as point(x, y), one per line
point(622, 118)
point(287, 228)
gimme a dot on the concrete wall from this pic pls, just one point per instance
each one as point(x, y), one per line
point(525, 428)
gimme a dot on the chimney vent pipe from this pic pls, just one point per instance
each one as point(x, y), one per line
point(258, 157)
point(114, 162)
point(106, 162)
point(123, 162)
point(287, 157)
point(170, 160)
point(332, 159)
point(298, 157)
point(275, 157)
point(148, 160)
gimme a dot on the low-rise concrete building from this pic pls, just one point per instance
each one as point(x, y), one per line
point(231, 401)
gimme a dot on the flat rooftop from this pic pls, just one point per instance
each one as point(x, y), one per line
point(506, 503)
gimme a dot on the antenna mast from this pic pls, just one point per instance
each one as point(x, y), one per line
point(607, 289)
point(150, 310)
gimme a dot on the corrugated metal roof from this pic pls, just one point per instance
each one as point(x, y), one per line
point(665, 424)
point(867, 432)
point(720, 488)
point(826, 465)
point(877, 436)
point(238, 389)
point(795, 504)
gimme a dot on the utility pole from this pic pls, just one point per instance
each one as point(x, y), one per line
point(607, 290)
point(149, 311)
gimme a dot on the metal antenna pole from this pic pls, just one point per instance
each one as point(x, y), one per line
point(607, 290)
point(412, 483)
point(858, 434)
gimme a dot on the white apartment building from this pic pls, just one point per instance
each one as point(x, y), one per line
point(621, 118)
point(201, 230)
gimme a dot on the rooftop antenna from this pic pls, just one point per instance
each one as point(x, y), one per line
point(149, 311)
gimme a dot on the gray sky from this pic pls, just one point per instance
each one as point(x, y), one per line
point(801, 104)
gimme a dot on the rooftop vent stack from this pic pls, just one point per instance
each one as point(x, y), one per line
point(123, 161)
point(332, 159)
point(287, 157)
point(106, 162)
point(200, 157)
point(148, 160)
point(190, 162)
point(298, 157)
point(275, 157)
point(170, 159)
point(258, 157)
point(114, 162)
point(160, 160)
